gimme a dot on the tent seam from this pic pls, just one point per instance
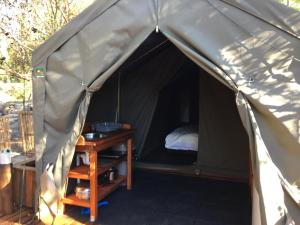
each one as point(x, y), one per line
point(259, 17)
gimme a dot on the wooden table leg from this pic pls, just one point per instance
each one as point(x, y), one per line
point(93, 186)
point(129, 164)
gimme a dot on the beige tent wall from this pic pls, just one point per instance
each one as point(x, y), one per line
point(252, 55)
point(223, 142)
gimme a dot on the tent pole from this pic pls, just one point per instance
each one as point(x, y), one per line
point(146, 53)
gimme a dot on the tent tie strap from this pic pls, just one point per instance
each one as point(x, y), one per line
point(87, 89)
point(156, 27)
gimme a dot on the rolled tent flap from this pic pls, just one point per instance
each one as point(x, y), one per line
point(257, 59)
point(72, 72)
point(262, 67)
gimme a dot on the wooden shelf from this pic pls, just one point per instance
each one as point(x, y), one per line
point(73, 200)
point(82, 172)
point(98, 166)
point(104, 190)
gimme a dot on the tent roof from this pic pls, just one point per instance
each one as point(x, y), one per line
point(269, 11)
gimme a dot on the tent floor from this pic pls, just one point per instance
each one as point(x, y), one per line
point(162, 155)
point(161, 199)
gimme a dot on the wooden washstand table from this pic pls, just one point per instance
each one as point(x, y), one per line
point(91, 172)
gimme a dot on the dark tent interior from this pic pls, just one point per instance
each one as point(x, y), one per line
point(157, 90)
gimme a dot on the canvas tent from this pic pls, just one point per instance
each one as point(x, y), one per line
point(251, 46)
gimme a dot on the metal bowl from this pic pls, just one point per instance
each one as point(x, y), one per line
point(82, 192)
point(93, 136)
point(90, 136)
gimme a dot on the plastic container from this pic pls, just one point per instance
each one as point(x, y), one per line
point(5, 157)
point(113, 174)
point(122, 168)
point(85, 158)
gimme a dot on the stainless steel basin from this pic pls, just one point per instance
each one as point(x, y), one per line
point(94, 136)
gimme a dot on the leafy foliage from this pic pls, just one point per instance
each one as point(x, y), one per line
point(24, 25)
point(295, 4)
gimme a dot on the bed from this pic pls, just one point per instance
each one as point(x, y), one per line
point(183, 139)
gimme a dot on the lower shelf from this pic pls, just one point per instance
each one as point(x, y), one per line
point(73, 200)
point(103, 191)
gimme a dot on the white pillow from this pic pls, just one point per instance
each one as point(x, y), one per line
point(183, 138)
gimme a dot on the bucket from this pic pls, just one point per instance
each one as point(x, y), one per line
point(5, 157)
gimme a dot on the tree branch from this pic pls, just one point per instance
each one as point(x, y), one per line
point(63, 15)
point(34, 29)
point(13, 73)
point(16, 39)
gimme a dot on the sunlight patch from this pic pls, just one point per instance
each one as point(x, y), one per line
point(294, 4)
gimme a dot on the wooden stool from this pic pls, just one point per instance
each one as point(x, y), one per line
point(6, 202)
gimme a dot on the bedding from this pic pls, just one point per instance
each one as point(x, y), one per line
point(183, 138)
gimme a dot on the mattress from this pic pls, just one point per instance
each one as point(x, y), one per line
point(183, 138)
